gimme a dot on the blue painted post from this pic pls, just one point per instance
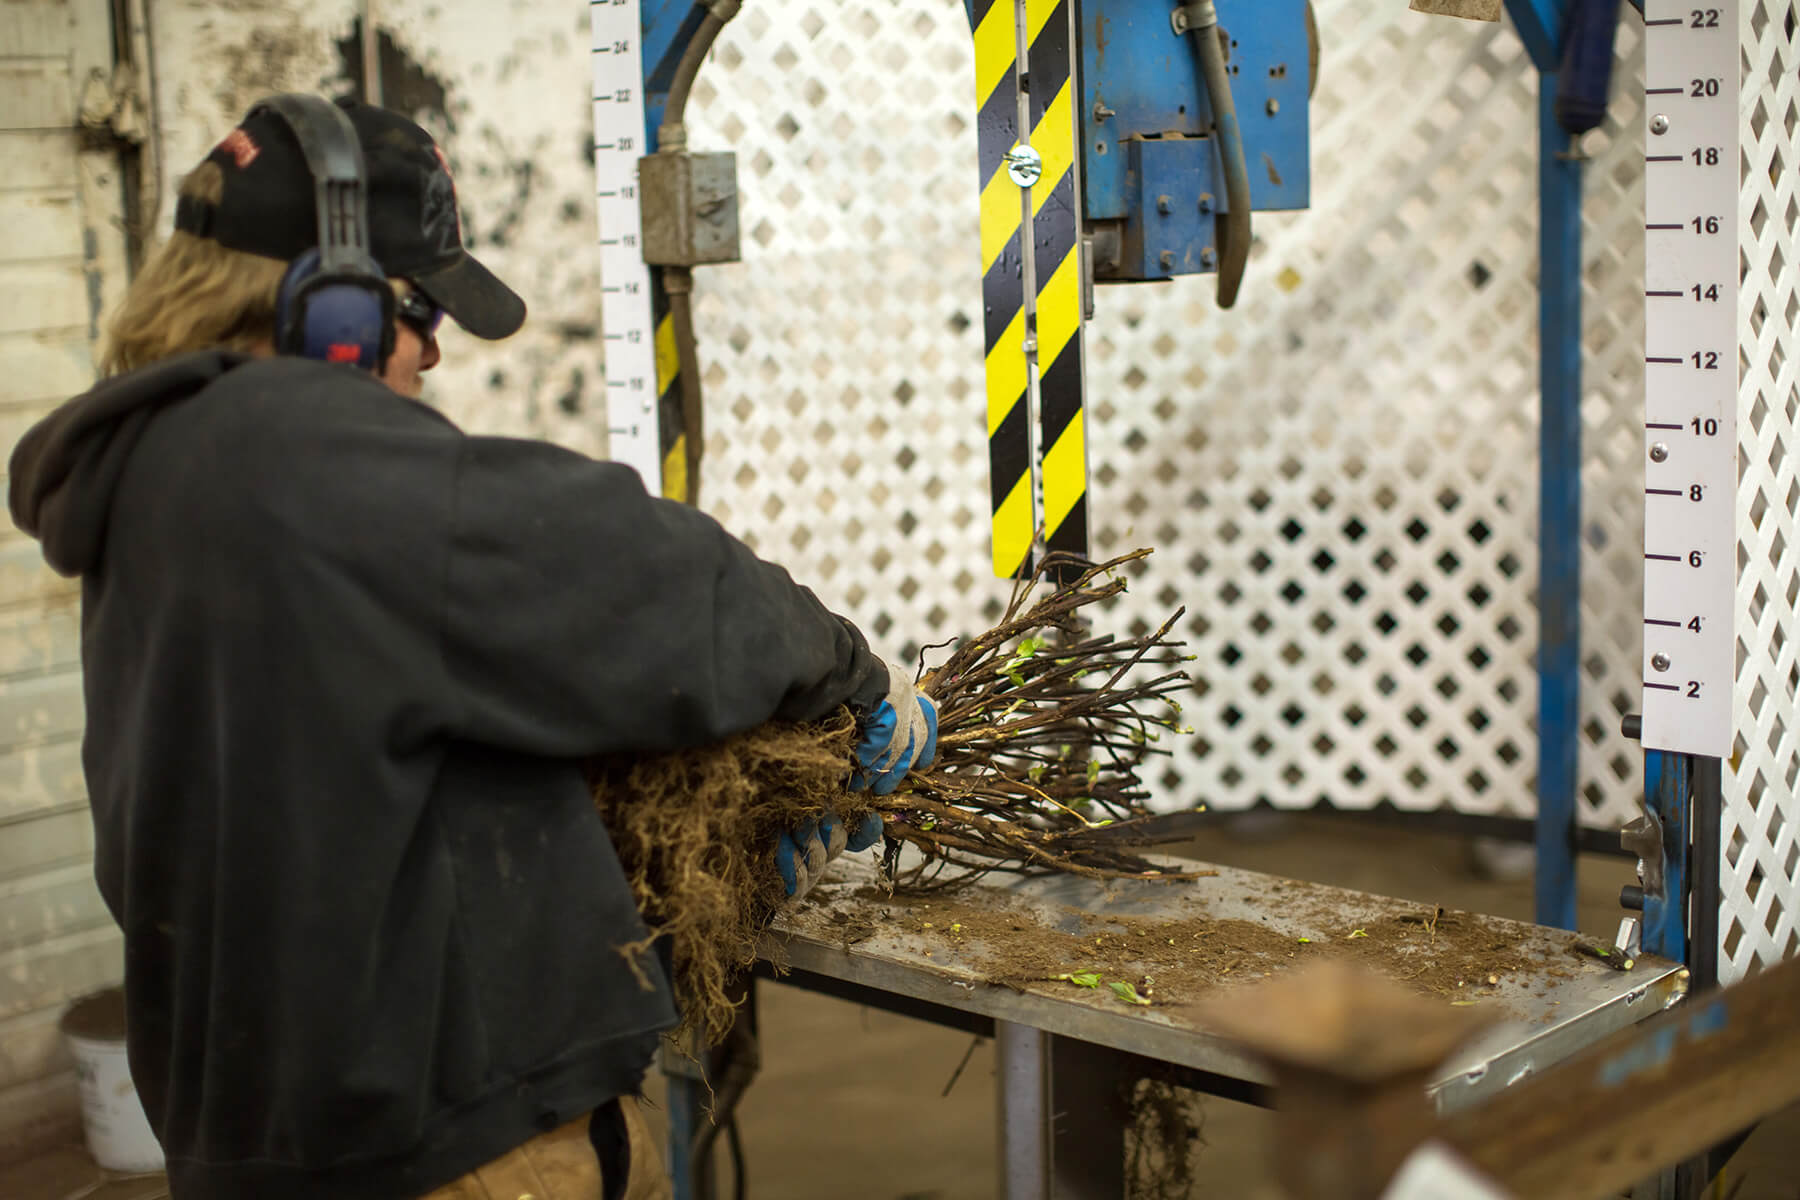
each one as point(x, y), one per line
point(1540, 27)
point(1559, 511)
point(686, 1100)
point(1666, 787)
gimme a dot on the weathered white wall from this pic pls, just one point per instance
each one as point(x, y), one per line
point(61, 259)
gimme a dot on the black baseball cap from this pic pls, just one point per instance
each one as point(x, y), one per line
point(267, 208)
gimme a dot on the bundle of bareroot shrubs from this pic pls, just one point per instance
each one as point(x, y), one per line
point(1042, 729)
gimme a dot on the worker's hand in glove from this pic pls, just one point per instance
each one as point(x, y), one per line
point(899, 735)
point(801, 854)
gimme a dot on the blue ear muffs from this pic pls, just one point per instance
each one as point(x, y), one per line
point(335, 317)
point(335, 303)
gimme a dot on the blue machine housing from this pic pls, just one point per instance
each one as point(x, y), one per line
point(1151, 182)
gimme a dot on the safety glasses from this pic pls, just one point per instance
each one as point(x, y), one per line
point(417, 310)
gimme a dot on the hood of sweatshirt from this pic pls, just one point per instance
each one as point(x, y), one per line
point(65, 469)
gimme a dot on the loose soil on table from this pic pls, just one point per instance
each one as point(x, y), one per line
point(1455, 955)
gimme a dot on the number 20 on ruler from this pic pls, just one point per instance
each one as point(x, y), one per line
point(1690, 380)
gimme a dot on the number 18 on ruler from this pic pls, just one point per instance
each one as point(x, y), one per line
point(1690, 374)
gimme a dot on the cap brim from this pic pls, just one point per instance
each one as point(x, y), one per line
point(474, 297)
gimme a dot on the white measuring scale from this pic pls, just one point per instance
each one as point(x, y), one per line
point(1690, 374)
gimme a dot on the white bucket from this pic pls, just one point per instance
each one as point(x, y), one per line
point(118, 1134)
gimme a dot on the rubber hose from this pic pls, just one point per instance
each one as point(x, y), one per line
point(678, 282)
point(1234, 235)
point(688, 69)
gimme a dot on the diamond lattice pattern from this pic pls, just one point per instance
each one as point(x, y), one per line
point(1761, 871)
point(1339, 475)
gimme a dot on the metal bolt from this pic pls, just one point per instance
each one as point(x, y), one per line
point(1272, 107)
point(1660, 661)
point(1167, 259)
point(1024, 165)
point(1164, 205)
point(1206, 203)
point(1659, 124)
point(1101, 112)
point(1206, 257)
point(1659, 452)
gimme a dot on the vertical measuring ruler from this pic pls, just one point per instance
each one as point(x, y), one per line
point(625, 318)
point(1690, 374)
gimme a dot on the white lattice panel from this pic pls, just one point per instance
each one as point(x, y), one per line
point(1339, 475)
point(1761, 871)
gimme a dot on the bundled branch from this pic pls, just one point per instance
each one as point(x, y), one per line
point(1043, 727)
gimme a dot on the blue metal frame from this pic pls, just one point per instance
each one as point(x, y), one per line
point(667, 27)
point(1667, 790)
point(1539, 23)
point(1146, 78)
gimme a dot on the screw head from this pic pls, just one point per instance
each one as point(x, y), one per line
point(1660, 662)
point(1659, 452)
point(1659, 124)
point(1206, 257)
point(1167, 259)
point(1272, 107)
point(1206, 203)
point(1024, 165)
point(1164, 205)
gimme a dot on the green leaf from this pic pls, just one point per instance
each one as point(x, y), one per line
point(1356, 933)
point(1087, 979)
point(1030, 646)
point(1124, 991)
point(1035, 773)
point(1304, 941)
point(1093, 770)
point(1013, 674)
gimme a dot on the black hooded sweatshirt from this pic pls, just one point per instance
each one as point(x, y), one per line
point(342, 663)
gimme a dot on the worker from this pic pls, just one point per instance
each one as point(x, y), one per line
point(343, 664)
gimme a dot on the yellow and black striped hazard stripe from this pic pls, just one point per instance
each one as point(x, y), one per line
point(1003, 288)
point(671, 431)
point(1056, 263)
point(1045, 326)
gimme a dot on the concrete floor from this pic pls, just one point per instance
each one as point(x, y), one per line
point(850, 1103)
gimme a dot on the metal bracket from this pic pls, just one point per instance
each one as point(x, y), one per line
point(1643, 836)
point(1193, 16)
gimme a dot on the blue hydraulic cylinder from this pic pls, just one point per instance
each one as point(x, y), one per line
point(1584, 74)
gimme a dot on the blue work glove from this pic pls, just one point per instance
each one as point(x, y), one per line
point(899, 735)
point(801, 854)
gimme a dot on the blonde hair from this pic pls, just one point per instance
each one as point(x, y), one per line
point(194, 294)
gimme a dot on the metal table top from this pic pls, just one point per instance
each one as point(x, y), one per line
point(1552, 1004)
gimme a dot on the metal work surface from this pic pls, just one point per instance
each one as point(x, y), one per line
point(1551, 999)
